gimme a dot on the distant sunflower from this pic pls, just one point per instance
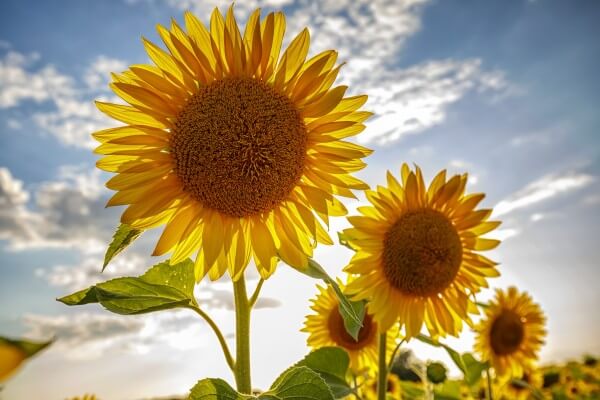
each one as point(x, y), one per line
point(231, 146)
point(416, 257)
point(515, 390)
point(393, 391)
point(326, 328)
point(512, 333)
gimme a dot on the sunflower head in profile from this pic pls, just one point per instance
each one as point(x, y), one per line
point(511, 334)
point(417, 257)
point(233, 145)
point(326, 328)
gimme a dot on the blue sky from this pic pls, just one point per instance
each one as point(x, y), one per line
point(506, 91)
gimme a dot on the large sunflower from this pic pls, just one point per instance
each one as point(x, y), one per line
point(511, 334)
point(231, 145)
point(326, 328)
point(416, 257)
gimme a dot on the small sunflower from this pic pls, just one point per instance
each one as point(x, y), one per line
point(11, 358)
point(368, 389)
point(514, 390)
point(416, 252)
point(326, 328)
point(511, 334)
point(233, 147)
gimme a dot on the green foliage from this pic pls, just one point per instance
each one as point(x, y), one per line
point(331, 363)
point(296, 383)
point(468, 365)
point(215, 389)
point(123, 237)
point(449, 390)
point(28, 347)
point(162, 287)
point(352, 312)
point(436, 372)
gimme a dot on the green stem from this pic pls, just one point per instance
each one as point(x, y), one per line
point(219, 335)
point(242, 337)
point(256, 293)
point(382, 375)
point(489, 384)
point(391, 363)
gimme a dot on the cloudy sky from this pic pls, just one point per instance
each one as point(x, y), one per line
point(507, 91)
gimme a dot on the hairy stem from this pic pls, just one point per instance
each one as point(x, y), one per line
point(219, 335)
point(382, 373)
point(242, 337)
point(254, 297)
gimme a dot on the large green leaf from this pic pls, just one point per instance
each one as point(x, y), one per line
point(298, 383)
point(331, 363)
point(215, 389)
point(123, 237)
point(352, 312)
point(162, 287)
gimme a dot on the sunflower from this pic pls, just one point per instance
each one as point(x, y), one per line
point(511, 334)
point(11, 357)
point(326, 328)
point(235, 148)
point(368, 390)
point(416, 252)
point(514, 390)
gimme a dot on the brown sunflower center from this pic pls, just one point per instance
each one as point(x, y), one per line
point(343, 339)
point(422, 253)
point(239, 147)
point(507, 333)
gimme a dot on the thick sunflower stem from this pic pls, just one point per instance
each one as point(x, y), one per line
point(383, 371)
point(242, 337)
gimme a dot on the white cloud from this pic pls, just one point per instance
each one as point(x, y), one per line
point(542, 189)
point(89, 336)
point(18, 84)
point(97, 75)
point(72, 116)
point(68, 212)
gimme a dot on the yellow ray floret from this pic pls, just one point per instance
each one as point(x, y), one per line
point(512, 333)
point(326, 328)
point(417, 257)
point(232, 144)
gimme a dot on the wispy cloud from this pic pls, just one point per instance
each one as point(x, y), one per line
point(67, 212)
point(72, 116)
point(543, 189)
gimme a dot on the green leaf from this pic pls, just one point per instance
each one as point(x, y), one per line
point(352, 312)
point(123, 237)
point(331, 363)
point(162, 287)
point(449, 390)
point(454, 355)
point(215, 389)
point(468, 365)
point(474, 368)
point(28, 347)
point(298, 383)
